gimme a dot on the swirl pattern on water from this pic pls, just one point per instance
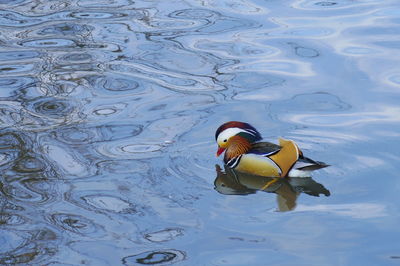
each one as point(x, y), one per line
point(161, 257)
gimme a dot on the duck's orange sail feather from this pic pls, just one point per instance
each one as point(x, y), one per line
point(287, 156)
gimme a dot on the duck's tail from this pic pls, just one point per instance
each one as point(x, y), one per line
point(304, 166)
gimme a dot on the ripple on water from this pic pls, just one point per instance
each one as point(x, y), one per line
point(123, 166)
point(169, 79)
point(8, 156)
point(11, 140)
point(171, 24)
point(16, 68)
point(75, 135)
point(193, 14)
point(21, 257)
point(236, 49)
point(237, 6)
point(317, 102)
point(29, 164)
point(127, 150)
point(159, 134)
point(69, 162)
point(66, 29)
point(19, 55)
point(388, 12)
point(50, 107)
point(10, 86)
point(252, 80)
point(214, 22)
point(312, 138)
point(132, 13)
point(200, 169)
point(316, 109)
point(327, 5)
point(108, 203)
point(14, 19)
point(283, 67)
point(81, 135)
point(104, 3)
point(76, 58)
point(78, 67)
point(379, 114)
point(8, 219)
point(77, 224)
point(105, 111)
point(49, 43)
point(358, 50)
point(165, 235)
point(388, 44)
point(307, 32)
point(304, 51)
point(11, 2)
point(26, 192)
point(9, 240)
point(372, 31)
point(394, 79)
point(141, 148)
point(157, 257)
point(117, 84)
point(96, 15)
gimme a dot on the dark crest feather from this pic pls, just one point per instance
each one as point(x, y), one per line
point(239, 125)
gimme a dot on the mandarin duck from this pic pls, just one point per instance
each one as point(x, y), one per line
point(245, 153)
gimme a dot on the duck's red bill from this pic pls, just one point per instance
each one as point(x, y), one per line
point(220, 150)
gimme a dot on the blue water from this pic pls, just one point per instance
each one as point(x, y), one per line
point(107, 118)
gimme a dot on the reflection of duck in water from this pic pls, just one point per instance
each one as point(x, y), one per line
point(251, 165)
point(244, 153)
point(232, 182)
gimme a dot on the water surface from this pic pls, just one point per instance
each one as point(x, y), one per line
point(108, 111)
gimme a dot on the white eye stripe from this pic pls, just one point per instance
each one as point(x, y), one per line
point(229, 132)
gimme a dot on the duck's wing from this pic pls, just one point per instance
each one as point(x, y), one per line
point(307, 164)
point(273, 151)
point(264, 148)
point(266, 159)
point(269, 159)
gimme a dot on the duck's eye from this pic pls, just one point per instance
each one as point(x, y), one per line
point(225, 140)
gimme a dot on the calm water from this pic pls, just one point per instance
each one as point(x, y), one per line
point(108, 113)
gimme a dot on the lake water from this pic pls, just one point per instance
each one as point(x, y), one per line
point(108, 112)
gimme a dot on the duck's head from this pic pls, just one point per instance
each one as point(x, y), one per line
point(226, 132)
